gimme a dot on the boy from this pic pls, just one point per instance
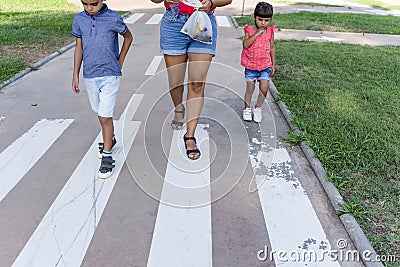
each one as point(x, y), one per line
point(96, 31)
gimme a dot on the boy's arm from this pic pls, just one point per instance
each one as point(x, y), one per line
point(125, 47)
point(272, 51)
point(78, 55)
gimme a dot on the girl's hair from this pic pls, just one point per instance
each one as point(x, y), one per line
point(263, 10)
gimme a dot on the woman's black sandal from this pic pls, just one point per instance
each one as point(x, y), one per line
point(191, 151)
point(177, 125)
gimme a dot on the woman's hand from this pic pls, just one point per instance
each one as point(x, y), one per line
point(207, 4)
point(172, 2)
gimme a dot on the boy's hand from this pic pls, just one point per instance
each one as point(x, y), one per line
point(75, 85)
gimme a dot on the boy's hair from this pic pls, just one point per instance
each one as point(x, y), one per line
point(263, 10)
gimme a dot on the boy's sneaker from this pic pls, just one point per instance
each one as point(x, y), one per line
point(101, 147)
point(247, 114)
point(106, 167)
point(257, 117)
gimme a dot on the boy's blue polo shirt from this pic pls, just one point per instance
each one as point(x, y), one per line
point(99, 35)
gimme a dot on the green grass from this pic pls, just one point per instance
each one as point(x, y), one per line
point(31, 30)
point(346, 101)
point(361, 23)
point(9, 66)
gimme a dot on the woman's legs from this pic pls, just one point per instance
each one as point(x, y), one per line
point(176, 68)
point(197, 74)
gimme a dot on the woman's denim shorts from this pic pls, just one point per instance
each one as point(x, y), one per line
point(257, 75)
point(174, 43)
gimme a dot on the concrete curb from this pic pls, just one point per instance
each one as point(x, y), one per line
point(353, 229)
point(43, 61)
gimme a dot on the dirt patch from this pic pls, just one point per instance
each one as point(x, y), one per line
point(31, 53)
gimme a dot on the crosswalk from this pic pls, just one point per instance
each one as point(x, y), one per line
point(182, 229)
point(17, 159)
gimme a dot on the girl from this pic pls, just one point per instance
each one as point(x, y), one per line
point(258, 58)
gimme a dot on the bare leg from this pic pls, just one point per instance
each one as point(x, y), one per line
point(107, 130)
point(263, 92)
point(197, 74)
point(250, 86)
point(176, 68)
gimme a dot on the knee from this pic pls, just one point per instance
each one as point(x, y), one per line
point(175, 83)
point(104, 120)
point(197, 87)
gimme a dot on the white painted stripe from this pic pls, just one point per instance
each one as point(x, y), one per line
point(292, 224)
point(132, 19)
point(132, 107)
point(182, 234)
point(155, 19)
point(18, 158)
point(222, 21)
point(152, 69)
point(64, 234)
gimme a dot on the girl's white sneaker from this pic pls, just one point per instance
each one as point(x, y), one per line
point(247, 114)
point(257, 116)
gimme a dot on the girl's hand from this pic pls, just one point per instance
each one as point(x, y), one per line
point(207, 4)
point(272, 71)
point(259, 32)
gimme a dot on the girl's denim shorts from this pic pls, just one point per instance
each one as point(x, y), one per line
point(257, 75)
point(174, 43)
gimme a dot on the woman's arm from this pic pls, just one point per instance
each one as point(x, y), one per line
point(219, 3)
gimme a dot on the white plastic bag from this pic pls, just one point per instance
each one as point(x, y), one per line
point(198, 27)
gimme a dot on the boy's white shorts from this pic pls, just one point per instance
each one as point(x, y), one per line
point(102, 93)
